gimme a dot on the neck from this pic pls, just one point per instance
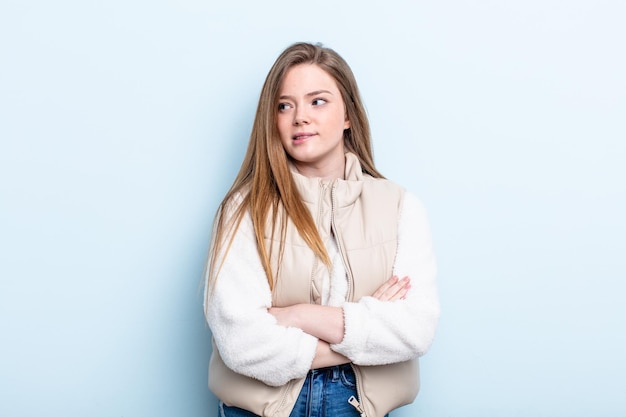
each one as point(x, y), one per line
point(329, 171)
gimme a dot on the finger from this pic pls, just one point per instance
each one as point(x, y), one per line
point(397, 291)
point(401, 293)
point(386, 285)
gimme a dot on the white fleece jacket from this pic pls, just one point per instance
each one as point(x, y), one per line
point(253, 344)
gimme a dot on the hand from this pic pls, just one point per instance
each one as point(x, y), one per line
point(393, 289)
point(325, 356)
point(284, 315)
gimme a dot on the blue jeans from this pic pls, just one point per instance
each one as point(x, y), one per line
point(325, 394)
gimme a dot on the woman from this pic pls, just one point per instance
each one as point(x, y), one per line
point(321, 278)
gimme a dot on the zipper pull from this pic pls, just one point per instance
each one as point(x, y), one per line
point(355, 403)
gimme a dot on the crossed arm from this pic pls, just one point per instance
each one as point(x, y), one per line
point(327, 323)
point(287, 342)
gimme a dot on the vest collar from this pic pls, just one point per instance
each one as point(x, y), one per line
point(347, 190)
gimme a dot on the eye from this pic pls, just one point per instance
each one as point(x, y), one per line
point(283, 106)
point(319, 102)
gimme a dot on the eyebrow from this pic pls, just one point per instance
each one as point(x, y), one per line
point(312, 93)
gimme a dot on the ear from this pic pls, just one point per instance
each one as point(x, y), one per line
point(346, 124)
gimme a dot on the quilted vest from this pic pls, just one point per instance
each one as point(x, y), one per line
point(362, 215)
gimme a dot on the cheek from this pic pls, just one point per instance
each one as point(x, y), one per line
point(283, 126)
point(284, 133)
point(342, 121)
point(341, 117)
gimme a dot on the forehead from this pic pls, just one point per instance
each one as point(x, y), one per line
point(304, 78)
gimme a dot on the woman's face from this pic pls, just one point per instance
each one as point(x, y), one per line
point(311, 120)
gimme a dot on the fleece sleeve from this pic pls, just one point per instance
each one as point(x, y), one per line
point(247, 336)
point(378, 332)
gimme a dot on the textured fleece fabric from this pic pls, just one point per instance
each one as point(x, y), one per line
point(251, 343)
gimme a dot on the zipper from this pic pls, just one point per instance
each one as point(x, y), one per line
point(342, 251)
point(355, 403)
point(284, 396)
point(318, 222)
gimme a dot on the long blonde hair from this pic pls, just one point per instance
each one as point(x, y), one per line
point(264, 181)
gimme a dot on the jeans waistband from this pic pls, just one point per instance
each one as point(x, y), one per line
point(335, 371)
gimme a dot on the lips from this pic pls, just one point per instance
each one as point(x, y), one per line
point(302, 137)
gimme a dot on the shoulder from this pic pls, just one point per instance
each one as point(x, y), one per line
point(231, 207)
point(233, 217)
point(409, 204)
point(413, 215)
point(233, 200)
point(383, 188)
point(412, 204)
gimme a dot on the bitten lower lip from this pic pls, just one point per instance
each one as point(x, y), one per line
point(301, 137)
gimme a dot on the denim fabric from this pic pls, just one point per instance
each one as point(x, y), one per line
point(325, 394)
point(226, 411)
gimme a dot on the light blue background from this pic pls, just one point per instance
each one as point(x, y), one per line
point(122, 124)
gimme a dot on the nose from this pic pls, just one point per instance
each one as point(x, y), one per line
point(300, 117)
